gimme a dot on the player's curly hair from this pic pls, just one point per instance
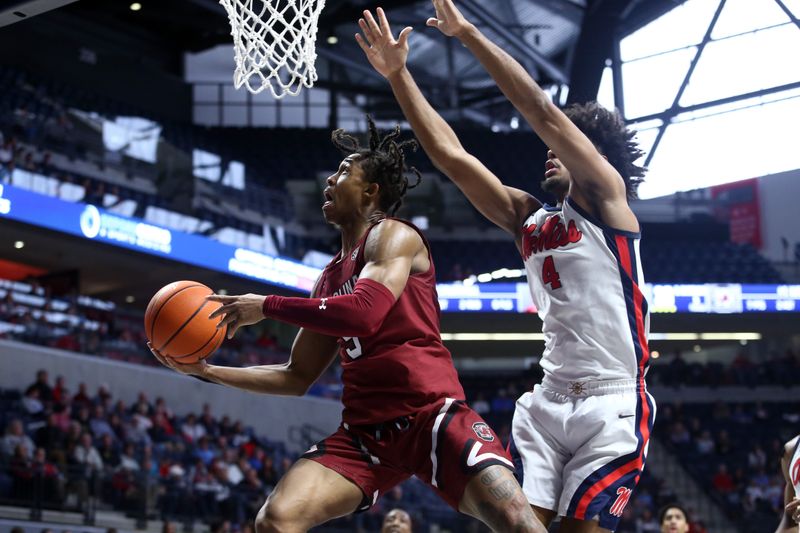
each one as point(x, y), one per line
point(384, 163)
point(608, 131)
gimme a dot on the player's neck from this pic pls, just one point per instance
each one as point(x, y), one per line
point(352, 233)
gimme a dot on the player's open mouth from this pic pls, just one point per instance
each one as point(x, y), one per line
point(328, 198)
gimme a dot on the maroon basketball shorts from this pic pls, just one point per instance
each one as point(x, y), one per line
point(444, 445)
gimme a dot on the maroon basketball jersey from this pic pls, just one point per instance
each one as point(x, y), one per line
point(404, 366)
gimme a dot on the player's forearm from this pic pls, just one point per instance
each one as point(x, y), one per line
point(360, 314)
point(266, 379)
point(787, 525)
point(434, 134)
point(512, 79)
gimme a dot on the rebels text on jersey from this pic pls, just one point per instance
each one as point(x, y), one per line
point(404, 366)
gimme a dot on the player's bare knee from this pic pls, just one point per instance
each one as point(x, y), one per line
point(277, 517)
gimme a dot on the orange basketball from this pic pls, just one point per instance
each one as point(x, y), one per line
point(177, 325)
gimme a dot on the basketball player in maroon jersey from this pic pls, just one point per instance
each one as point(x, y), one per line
point(404, 411)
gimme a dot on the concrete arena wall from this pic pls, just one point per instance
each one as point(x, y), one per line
point(295, 421)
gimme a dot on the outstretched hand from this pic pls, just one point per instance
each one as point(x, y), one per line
point(448, 19)
point(238, 310)
point(191, 369)
point(386, 54)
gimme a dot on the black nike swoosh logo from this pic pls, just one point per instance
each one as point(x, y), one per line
point(626, 416)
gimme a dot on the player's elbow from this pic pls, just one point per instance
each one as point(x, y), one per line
point(299, 388)
point(296, 382)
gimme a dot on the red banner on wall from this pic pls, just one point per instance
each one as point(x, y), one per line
point(738, 204)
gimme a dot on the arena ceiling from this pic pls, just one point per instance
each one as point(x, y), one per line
point(563, 43)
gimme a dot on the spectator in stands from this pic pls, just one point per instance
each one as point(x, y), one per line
point(679, 434)
point(140, 424)
point(118, 427)
point(208, 420)
point(32, 404)
point(86, 454)
point(396, 521)
point(109, 451)
point(705, 443)
point(83, 417)
point(52, 482)
point(14, 437)
point(59, 390)
point(98, 424)
point(192, 430)
point(51, 437)
point(127, 459)
point(162, 429)
point(42, 384)
point(204, 452)
point(20, 468)
point(82, 397)
point(61, 413)
point(673, 519)
point(722, 481)
point(647, 523)
point(142, 405)
point(724, 446)
point(268, 473)
point(757, 458)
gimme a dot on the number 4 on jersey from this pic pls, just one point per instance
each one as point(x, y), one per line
point(550, 274)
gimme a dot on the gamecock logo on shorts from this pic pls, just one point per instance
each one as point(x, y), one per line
point(482, 431)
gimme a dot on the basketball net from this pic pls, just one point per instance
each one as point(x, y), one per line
point(274, 44)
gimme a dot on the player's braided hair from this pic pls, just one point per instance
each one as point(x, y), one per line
point(383, 163)
point(607, 130)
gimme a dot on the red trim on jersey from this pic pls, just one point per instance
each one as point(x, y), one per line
point(360, 314)
point(638, 298)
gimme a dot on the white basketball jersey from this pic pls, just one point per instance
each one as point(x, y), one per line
point(585, 280)
point(794, 469)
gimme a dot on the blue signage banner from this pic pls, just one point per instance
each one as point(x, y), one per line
point(90, 222)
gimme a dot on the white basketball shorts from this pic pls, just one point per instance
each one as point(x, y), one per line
point(582, 446)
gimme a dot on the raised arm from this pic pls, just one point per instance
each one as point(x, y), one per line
point(505, 206)
point(596, 183)
point(791, 512)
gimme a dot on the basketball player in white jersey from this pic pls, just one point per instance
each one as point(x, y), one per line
point(582, 434)
point(790, 465)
